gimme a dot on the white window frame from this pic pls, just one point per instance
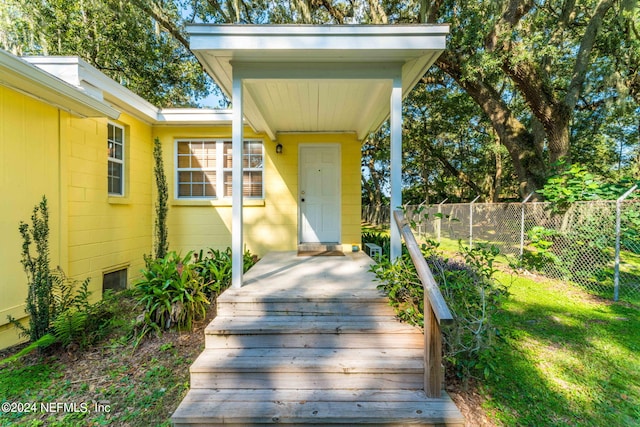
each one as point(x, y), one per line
point(219, 169)
point(113, 159)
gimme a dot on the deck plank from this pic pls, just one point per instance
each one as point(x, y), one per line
point(404, 407)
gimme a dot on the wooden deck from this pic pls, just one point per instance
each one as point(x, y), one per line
point(310, 340)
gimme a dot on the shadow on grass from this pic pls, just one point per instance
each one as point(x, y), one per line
point(566, 361)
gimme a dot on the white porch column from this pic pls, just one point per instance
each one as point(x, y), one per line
point(396, 164)
point(237, 242)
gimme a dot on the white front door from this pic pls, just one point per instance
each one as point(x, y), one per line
point(319, 193)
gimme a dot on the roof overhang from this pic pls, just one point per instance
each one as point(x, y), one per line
point(20, 75)
point(317, 78)
point(83, 78)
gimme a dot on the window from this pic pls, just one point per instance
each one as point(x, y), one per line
point(204, 169)
point(197, 168)
point(115, 170)
point(115, 280)
point(252, 169)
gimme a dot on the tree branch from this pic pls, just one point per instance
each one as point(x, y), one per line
point(334, 12)
point(584, 53)
point(156, 12)
point(377, 14)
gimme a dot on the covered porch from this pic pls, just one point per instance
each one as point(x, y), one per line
point(316, 80)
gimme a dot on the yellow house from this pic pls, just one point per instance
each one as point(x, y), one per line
point(304, 98)
point(58, 119)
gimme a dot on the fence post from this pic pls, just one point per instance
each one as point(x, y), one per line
point(440, 217)
point(526, 199)
point(471, 222)
point(616, 275)
point(419, 221)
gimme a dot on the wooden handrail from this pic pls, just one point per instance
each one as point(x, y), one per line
point(436, 311)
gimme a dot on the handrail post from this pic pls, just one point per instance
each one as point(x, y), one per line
point(432, 352)
point(526, 199)
point(471, 222)
point(616, 274)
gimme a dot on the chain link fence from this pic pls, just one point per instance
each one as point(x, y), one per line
point(595, 244)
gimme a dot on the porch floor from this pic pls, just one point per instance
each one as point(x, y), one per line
point(310, 340)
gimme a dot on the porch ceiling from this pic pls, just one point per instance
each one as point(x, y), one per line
point(311, 78)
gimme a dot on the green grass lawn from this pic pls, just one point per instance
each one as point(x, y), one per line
point(566, 358)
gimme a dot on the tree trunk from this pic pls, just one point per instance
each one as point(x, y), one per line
point(520, 144)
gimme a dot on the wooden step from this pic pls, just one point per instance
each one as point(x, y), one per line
point(311, 331)
point(308, 368)
point(311, 302)
point(223, 325)
point(307, 308)
point(318, 407)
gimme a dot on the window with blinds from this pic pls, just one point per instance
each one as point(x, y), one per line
point(204, 169)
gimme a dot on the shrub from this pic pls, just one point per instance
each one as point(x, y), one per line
point(78, 323)
point(59, 310)
point(472, 294)
point(171, 292)
point(40, 304)
point(215, 268)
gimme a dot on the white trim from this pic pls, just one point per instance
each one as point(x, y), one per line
point(122, 161)
point(219, 169)
point(81, 77)
point(26, 78)
point(323, 37)
point(79, 73)
point(188, 116)
point(237, 238)
point(396, 164)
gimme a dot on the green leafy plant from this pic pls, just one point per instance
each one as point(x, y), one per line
point(215, 268)
point(575, 183)
point(172, 293)
point(40, 304)
point(471, 292)
point(78, 323)
point(538, 254)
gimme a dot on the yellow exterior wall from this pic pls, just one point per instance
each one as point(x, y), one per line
point(45, 151)
point(269, 225)
point(107, 233)
point(29, 169)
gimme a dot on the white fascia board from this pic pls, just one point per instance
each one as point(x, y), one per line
point(194, 116)
point(80, 73)
point(317, 37)
point(26, 78)
point(85, 76)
